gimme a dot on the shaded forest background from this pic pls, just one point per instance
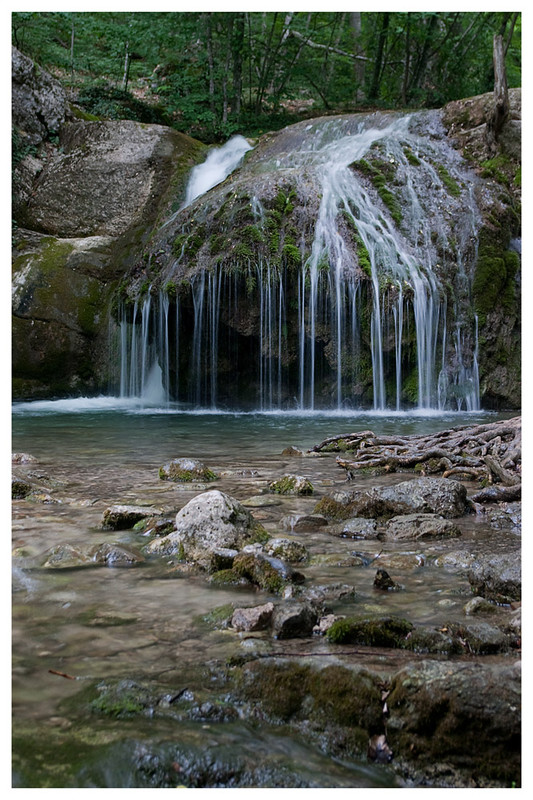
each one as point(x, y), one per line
point(213, 74)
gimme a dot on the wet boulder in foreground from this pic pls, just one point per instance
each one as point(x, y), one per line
point(210, 521)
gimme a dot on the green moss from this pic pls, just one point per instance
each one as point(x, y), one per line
point(376, 632)
point(379, 178)
point(410, 386)
point(494, 277)
point(219, 617)
point(332, 509)
point(451, 185)
point(410, 156)
point(291, 484)
point(292, 255)
point(259, 571)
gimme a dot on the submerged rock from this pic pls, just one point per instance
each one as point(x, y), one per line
point(115, 555)
point(20, 488)
point(186, 470)
point(355, 528)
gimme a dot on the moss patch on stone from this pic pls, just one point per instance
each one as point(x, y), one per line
point(376, 632)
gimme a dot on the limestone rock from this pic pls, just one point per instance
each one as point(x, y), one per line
point(303, 522)
point(420, 526)
point(252, 619)
point(209, 521)
point(356, 528)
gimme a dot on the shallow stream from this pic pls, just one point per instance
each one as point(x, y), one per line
point(141, 622)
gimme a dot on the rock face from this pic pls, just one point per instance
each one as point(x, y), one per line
point(78, 207)
point(38, 101)
point(208, 522)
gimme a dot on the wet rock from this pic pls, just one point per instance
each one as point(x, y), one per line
point(19, 488)
point(379, 750)
point(123, 517)
point(456, 721)
point(292, 451)
point(384, 582)
point(400, 560)
point(222, 558)
point(339, 560)
point(22, 458)
point(420, 495)
point(457, 559)
point(291, 484)
point(154, 526)
point(252, 619)
point(478, 605)
point(287, 550)
point(65, 556)
point(466, 713)
point(424, 640)
point(420, 526)
point(325, 598)
point(114, 555)
point(325, 623)
point(355, 528)
point(506, 516)
point(208, 522)
point(293, 619)
point(302, 523)
point(385, 631)
point(186, 470)
point(266, 572)
point(480, 638)
point(497, 577)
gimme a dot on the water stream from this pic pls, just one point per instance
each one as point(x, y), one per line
point(140, 623)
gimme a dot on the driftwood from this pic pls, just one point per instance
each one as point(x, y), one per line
point(490, 454)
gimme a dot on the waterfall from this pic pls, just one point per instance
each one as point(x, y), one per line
point(336, 330)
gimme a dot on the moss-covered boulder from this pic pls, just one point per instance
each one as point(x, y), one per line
point(292, 484)
point(186, 470)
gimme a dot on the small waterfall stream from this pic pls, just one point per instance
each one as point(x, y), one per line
point(323, 330)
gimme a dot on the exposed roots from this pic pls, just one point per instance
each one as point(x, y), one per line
point(490, 454)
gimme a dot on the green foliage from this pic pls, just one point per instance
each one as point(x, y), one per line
point(212, 74)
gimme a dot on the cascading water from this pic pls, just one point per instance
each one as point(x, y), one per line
point(314, 334)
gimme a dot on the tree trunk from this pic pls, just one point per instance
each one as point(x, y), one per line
point(374, 88)
point(500, 110)
point(359, 66)
point(237, 53)
point(210, 61)
point(125, 79)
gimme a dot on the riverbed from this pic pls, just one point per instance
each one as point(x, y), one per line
point(72, 627)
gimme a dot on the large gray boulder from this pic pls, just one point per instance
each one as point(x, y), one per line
point(497, 577)
point(209, 522)
point(39, 103)
point(420, 526)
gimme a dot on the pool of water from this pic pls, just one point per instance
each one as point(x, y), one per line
point(102, 623)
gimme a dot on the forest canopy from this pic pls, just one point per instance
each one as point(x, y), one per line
point(211, 74)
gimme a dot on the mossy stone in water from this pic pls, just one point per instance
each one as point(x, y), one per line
point(292, 484)
point(186, 470)
point(377, 631)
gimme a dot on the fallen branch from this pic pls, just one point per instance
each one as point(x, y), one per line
point(62, 674)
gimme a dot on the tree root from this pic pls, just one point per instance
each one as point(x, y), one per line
point(489, 453)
